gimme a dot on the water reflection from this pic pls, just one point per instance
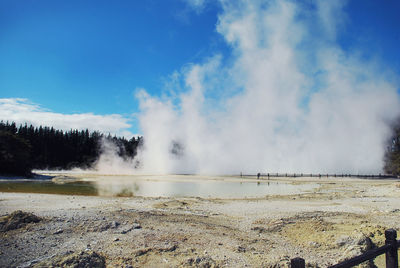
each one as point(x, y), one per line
point(48, 187)
point(157, 186)
point(167, 187)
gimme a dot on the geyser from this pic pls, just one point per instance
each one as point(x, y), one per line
point(286, 99)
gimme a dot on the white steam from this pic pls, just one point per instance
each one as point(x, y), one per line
point(110, 162)
point(288, 99)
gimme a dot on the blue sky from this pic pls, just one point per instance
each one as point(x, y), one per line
point(80, 57)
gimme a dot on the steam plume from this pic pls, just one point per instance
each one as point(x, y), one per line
point(110, 162)
point(287, 99)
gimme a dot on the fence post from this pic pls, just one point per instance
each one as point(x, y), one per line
point(297, 263)
point(392, 260)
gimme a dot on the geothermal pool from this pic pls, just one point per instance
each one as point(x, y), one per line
point(156, 186)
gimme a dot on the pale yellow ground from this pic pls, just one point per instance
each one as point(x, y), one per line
point(322, 226)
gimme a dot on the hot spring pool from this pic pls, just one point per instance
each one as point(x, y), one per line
point(157, 186)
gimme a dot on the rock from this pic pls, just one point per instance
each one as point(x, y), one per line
point(189, 261)
point(241, 249)
point(136, 226)
point(259, 229)
point(125, 231)
point(59, 231)
point(83, 259)
point(272, 226)
point(103, 226)
point(168, 248)
point(114, 224)
point(356, 246)
point(16, 220)
point(344, 240)
point(141, 252)
point(144, 251)
point(205, 262)
point(314, 244)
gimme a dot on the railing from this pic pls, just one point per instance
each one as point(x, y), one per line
point(320, 175)
point(390, 249)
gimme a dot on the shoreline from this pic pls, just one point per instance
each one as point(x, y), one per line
point(35, 176)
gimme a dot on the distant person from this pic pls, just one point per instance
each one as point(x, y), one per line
point(258, 176)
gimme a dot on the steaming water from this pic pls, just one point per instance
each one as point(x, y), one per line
point(286, 98)
point(188, 186)
point(158, 186)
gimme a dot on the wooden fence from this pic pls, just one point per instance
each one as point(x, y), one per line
point(389, 249)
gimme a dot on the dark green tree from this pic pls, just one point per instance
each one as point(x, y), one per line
point(55, 149)
point(14, 155)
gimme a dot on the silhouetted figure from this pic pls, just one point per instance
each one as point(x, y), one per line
point(258, 176)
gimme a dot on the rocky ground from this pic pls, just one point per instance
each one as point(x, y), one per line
point(337, 220)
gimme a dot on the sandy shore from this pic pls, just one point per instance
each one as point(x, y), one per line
point(340, 218)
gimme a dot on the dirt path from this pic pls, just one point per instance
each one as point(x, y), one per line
point(336, 221)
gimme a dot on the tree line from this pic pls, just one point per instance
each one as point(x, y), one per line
point(23, 148)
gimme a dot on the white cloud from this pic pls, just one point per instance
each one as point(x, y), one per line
point(23, 111)
point(197, 5)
